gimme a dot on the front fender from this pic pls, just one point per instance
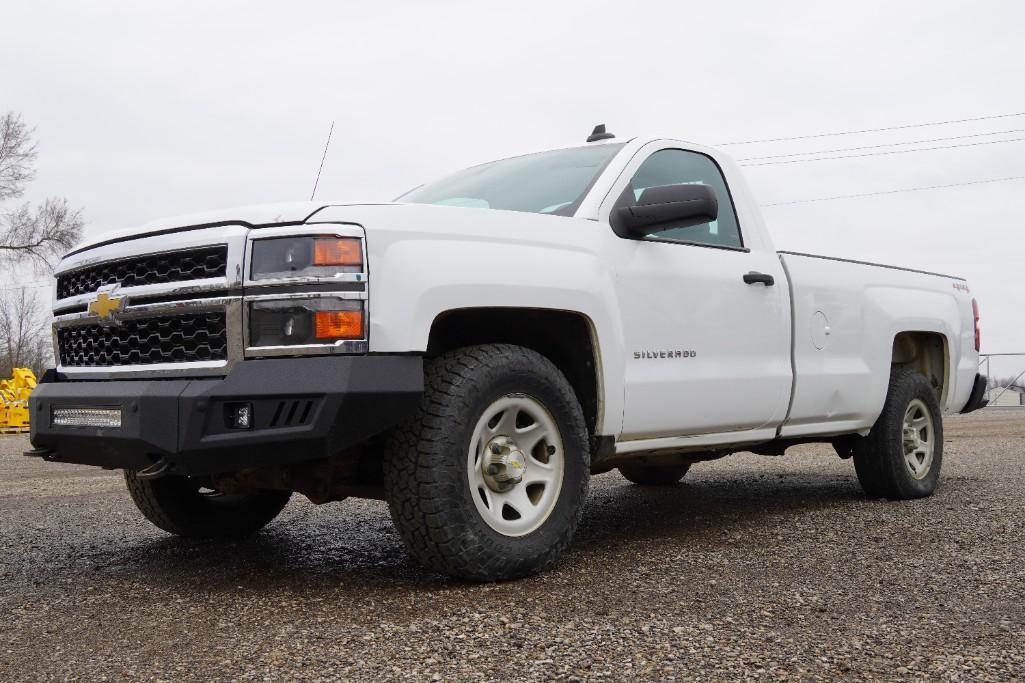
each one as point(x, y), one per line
point(427, 260)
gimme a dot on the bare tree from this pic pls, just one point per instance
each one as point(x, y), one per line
point(17, 156)
point(24, 338)
point(41, 234)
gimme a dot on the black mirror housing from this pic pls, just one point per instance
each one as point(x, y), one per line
point(665, 207)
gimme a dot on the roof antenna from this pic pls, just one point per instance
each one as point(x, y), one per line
point(599, 134)
point(322, 158)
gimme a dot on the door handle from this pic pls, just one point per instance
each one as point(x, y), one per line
point(753, 277)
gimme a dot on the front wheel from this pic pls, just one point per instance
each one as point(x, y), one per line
point(182, 506)
point(902, 455)
point(488, 480)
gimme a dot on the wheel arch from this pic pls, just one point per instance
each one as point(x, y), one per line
point(927, 352)
point(567, 338)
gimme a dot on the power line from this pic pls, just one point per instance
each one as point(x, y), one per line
point(871, 130)
point(906, 189)
point(887, 144)
point(876, 154)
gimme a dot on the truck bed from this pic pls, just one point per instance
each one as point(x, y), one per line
point(846, 315)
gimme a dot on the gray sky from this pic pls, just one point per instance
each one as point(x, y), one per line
point(143, 113)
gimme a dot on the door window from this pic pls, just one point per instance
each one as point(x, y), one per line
point(679, 167)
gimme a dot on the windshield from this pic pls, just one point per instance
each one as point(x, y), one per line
point(552, 182)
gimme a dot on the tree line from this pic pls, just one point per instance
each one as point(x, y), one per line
point(1009, 381)
point(33, 238)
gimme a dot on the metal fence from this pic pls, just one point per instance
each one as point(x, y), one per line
point(1006, 373)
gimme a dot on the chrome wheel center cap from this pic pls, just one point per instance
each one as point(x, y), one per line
point(503, 464)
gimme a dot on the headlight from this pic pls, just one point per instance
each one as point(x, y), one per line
point(293, 322)
point(305, 256)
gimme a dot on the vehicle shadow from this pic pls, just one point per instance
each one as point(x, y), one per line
point(354, 543)
point(623, 510)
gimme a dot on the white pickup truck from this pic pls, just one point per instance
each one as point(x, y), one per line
point(474, 351)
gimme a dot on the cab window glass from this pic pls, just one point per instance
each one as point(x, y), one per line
point(553, 182)
point(678, 167)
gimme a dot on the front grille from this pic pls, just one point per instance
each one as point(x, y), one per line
point(166, 339)
point(151, 269)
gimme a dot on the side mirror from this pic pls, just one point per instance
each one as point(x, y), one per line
point(665, 207)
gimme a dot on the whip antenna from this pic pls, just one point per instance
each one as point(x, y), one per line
point(322, 158)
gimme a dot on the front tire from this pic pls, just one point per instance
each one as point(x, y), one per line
point(181, 506)
point(487, 481)
point(654, 475)
point(901, 457)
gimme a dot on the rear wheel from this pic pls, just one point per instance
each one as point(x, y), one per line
point(182, 506)
point(488, 480)
point(902, 455)
point(654, 475)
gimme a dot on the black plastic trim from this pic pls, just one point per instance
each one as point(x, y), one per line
point(599, 133)
point(686, 243)
point(755, 278)
point(976, 400)
point(603, 447)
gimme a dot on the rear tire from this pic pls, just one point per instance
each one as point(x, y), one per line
point(470, 491)
point(179, 506)
point(901, 457)
point(654, 475)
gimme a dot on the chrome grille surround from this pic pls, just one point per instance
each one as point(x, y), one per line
point(209, 295)
point(216, 296)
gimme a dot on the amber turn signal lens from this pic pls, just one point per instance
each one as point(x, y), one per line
point(338, 324)
point(337, 251)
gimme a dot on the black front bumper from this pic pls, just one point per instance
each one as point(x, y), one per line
point(302, 409)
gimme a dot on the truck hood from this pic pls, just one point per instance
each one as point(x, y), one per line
point(255, 216)
point(394, 219)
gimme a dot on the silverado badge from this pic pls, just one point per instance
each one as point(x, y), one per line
point(105, 306)
point(666, 353)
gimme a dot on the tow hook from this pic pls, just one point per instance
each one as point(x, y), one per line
point(44, 453)
point(154, 471)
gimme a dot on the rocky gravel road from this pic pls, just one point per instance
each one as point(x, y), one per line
point(754, 568)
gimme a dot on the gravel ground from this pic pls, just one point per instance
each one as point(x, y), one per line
point(755, 568)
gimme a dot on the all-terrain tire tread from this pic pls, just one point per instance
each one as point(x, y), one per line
point(423, 480)
point(878, 458)
point(159, 504)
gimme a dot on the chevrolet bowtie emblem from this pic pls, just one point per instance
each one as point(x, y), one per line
point(104, 306)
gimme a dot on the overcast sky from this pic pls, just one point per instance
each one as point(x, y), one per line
point(144, 112)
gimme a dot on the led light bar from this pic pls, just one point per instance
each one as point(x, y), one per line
point(86, 417)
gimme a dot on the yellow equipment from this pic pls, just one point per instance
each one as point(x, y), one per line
point(14, 394)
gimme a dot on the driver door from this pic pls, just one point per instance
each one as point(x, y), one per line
point(706, 351)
